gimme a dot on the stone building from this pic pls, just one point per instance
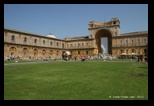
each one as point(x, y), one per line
point(28, 45)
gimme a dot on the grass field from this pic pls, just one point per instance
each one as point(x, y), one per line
point(90, 80)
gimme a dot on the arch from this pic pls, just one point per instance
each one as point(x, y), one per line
point(43, 51)
point(25, 53)
point(104, 33)
point(103, 29)
point(51, 52)
point(35, 52)
point(120, 51)
point(133, 50)
point(127, 51)
point(12, 51)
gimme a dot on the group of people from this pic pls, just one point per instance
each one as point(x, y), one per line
point(141, 59)
point(9, 58)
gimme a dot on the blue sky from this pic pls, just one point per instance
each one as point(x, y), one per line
point(70, 20)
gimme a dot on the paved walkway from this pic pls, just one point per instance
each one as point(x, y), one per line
point(43, 62)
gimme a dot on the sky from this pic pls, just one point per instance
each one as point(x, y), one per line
point(71, 20)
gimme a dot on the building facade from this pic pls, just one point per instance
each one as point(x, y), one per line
point(28, 45)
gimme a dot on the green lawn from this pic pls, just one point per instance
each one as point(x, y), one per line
point(76, 81)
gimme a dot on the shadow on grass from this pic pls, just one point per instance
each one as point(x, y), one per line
point(145, 67)
point(138, 75)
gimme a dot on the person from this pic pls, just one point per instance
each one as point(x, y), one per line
point(82, 58)
point(75, 58)
point(130, 59)
point(137, 59)
point(146, 59)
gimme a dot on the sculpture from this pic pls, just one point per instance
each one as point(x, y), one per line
point(66, 55)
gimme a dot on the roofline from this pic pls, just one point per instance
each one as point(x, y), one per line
point(136, 32)
point(80, 36)
point(14, 30)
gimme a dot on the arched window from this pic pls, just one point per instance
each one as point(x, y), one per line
point(127, 42)
point(57, 44)
point(62, 45)
point(132, 41)
point(25, 39)
point(13, 38)
point(51, 43)
point(35, 40)
point(51, 52)
point(71, 45)
point(43, 41)
point(145, 41)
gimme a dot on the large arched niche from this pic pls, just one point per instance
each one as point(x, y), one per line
point(104, 33)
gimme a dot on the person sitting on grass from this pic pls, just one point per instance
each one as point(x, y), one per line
point(83, 58)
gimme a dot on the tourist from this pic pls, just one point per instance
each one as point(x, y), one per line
point(137, 60)
point(130, 59)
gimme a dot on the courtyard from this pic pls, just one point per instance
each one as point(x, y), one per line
point(117, 79)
